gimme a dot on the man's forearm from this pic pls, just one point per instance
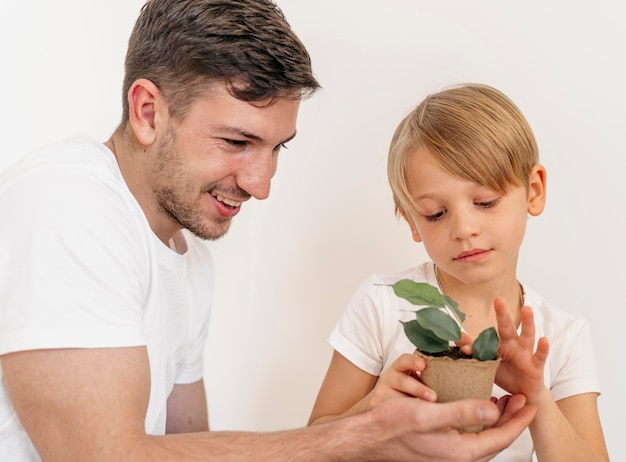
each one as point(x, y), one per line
point(341, 440)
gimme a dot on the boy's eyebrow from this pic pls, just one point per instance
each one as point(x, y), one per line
point(425, 196)
point(475, 188)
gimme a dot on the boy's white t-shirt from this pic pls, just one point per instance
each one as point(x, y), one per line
point(370, 335)
point(81, 268)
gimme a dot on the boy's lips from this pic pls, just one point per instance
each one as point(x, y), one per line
point(472, 255)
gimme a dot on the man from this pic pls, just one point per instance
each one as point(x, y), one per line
point(105, 284)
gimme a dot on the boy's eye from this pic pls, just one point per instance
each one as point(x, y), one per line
point(488, 204)
point(436, 216)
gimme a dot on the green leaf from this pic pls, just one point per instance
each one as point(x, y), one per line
point(486, 345)
point(454, 306)
point(419, 293)
point(439, 323)
point(423, 339)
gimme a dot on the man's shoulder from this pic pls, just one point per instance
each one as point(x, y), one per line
point(73, 174)
point(74, 155)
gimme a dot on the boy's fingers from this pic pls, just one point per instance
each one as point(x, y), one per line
point(506, 328)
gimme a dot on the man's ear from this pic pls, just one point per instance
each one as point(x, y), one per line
point(536, 190)
point(414, 232)
point(146, 107)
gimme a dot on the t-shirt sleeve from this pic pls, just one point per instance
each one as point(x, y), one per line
point(73, 268)
point(358, 333)
point(573, 366)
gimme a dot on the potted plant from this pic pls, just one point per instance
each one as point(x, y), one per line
point(435, 333)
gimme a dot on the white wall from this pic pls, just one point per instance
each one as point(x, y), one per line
point(289, 265)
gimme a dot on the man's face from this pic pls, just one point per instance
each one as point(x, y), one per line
point(224, 152)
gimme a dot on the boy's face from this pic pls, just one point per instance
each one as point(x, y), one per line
point(470, 231)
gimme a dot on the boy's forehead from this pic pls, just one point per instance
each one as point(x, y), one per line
point(426, 170)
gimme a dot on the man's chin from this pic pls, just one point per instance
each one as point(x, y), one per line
point(210, 233)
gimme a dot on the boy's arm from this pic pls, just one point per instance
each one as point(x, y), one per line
point(567, 430)
point(90, 405)
point(348, 390)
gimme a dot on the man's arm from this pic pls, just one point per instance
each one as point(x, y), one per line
point(90, 405)
point(187, 409)
point(80, 404)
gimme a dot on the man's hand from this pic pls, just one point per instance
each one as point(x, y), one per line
point(426, 431)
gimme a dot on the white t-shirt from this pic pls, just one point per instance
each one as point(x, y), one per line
point(81, 268)
point(370, 335)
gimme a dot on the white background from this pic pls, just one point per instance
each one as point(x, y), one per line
point(289, 264)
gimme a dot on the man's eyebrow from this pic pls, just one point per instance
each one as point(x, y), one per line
point(293, 135)
point(253, 137)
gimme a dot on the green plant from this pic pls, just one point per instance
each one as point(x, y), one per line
point(434, 328)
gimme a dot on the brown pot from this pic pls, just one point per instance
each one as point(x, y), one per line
point(455, 379)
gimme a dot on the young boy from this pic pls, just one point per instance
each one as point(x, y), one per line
point(465, 174)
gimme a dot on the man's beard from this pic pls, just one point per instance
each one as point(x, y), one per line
point(188, 217)
point(175, 185)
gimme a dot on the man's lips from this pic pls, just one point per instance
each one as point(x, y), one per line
point(225, 200)
point(226, 207)
point(472, 255)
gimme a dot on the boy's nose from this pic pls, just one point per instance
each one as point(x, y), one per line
point(464, 226)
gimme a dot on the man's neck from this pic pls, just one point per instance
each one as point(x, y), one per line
point(134, 161)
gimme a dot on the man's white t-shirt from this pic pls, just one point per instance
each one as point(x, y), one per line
point(81, 268)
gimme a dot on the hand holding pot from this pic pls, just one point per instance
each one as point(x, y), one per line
point(401, 379)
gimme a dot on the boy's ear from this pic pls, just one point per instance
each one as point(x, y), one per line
point(536, 190)
point(414, 232)
point(145, 106)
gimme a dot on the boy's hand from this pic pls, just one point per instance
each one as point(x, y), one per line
point(521, 370)
point(401, 379)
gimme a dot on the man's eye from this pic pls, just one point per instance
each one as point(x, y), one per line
point(236, 143)
point(436, 216)
point(280, 146)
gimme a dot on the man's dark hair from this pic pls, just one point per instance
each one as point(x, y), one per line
point(182, 45)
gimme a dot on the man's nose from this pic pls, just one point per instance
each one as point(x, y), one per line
point(256, 176)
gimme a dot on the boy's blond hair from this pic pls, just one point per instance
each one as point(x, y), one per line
point(473, 131)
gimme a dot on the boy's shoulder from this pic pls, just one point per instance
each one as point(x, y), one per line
point(424, 272)
point(550, 318)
